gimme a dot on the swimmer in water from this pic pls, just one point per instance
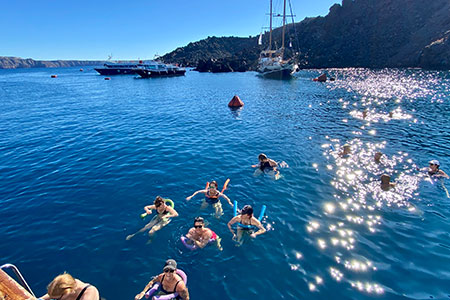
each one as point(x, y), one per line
point(164, 214)
point(246, 218)
point(170, 282)
point(212, 195)
point(201, 236)
point(434, 171)
point(346, 151)
point(377, 157)
point(386, 183)
point(267, 164)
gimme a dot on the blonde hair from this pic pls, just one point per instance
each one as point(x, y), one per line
point(62, 284)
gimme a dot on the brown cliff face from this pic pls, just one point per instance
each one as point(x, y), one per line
point(16, 62)
point(356, 33)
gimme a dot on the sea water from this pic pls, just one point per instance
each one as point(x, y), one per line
point(81, 156)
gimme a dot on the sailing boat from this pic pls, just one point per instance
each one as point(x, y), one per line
point(271, 63)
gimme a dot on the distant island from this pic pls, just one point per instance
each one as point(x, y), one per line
point(7, 62)
point(356, 33)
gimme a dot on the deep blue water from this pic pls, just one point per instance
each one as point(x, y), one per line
point(81, 156)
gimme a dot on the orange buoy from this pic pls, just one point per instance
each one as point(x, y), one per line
point(236, 102)
point(107, 78)
point(54, 76)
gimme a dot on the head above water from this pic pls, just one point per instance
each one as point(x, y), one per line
point(213, 184)
point(262, 157)
point(385, 179)
point(158, 201)
point(199, 221)
point(170, 265)
point(377, 156)
point(62, 284)
point(247, 210)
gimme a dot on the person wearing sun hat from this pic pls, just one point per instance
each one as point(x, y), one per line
point(433, 169)
point(170, 282)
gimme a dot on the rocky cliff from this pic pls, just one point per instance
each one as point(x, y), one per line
point(16, 62)
point(356, 33)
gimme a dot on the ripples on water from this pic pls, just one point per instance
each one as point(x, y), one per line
point(80, 157)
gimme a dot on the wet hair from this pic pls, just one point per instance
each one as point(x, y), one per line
point(61, 285)
point(199, 220)
point(214, 183)
point(158, 201)
point(385, 176)
point(247, 210)
point(262, 156)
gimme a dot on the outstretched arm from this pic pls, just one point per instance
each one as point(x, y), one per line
point(226, 197)
point(199, 191)
point(232, 221)
point(172, 213)
point(148, 209)
point(442, 174)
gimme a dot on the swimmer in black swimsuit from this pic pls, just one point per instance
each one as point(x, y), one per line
point(212, 195)
point(66, 287)
point(164, 215)
point(171, 282)
point(267, 164)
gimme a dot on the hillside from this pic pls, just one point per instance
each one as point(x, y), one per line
point(16, 62)
point(356, 33)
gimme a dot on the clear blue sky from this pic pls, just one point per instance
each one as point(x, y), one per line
point(81, 29)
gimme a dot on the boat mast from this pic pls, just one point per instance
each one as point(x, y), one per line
point(284, 29)
point(270, 35)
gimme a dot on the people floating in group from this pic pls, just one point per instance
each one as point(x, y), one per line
point(66, 287)
point(212, 195)
point(171, 282)
point(164, 214)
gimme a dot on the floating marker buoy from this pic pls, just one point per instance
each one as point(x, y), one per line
point(81, 70)
point(321, 78)
point(236, 102)
point(107, 78)
point(54, 76)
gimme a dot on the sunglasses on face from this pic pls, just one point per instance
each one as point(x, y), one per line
point(198, 226)
point(169, 271)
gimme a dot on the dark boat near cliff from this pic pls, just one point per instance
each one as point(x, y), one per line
point(160, 70)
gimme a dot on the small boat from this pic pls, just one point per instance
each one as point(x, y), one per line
point(159, 70)
point(271, 63)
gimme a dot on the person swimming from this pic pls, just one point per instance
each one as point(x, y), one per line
point(377, 157)
point(170, 282)
point(246, 218)
point(434, 171)
point(212, 195)
point(346, 151)
point(164, 214)
point(386, 183)
point(266, 164)
point(202, 236)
